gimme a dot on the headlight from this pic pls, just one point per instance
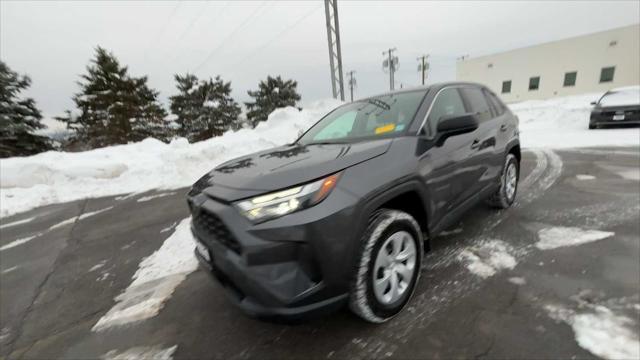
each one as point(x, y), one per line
point(279, 203)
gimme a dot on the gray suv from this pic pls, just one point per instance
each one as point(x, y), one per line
point(344, 214)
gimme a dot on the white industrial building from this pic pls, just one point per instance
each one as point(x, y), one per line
point(589, 63)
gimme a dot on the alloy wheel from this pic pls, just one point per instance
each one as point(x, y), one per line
point(394, 267)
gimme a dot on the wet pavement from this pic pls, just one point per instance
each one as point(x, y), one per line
point(491, 287)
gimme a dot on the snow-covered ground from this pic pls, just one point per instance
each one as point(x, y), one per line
point(563, 123)
point(54, 177)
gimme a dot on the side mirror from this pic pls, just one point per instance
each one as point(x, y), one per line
point(456, 125)
point(594, 103)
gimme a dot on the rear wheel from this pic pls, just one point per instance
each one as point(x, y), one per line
point(592, 126)
point(388, 267)
point(506, 193)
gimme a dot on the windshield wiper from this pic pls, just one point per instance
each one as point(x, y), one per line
point(325, 143)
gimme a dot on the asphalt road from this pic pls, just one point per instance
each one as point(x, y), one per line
point(472, 299)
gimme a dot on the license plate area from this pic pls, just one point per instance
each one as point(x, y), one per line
point(203, 251)
point(618, 117)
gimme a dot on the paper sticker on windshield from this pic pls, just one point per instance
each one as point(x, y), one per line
point(385, 128)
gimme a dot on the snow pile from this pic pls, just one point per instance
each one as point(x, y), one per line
point(563, 123)
point(488, 257)
point(54, 177)
point(555, 237)
point(601, 331)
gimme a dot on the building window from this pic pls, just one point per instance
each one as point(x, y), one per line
point(570, 78)
point(534, 83)
point(606, 74)
point(506, 87)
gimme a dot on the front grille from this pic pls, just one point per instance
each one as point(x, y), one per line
point(211, 225)
point(620, 112)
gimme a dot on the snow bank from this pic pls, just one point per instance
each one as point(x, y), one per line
point(54, 177)
point(563, 123)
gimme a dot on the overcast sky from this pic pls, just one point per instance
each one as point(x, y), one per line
point(243, 41)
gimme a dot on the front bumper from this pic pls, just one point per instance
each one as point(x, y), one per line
point(252, 307)
point(294, 266)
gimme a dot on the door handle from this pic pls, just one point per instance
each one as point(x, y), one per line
point(475, 144)
point(503, 127)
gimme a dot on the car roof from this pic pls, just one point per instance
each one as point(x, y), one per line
point(425, 88)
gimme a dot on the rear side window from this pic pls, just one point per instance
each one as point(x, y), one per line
point(447, 103)
point(478, 103)
point(496, 105)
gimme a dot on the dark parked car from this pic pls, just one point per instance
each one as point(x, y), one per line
point(616, 107)
point(342, 215)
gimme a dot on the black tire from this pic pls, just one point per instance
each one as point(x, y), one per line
point(592, 126)
point(501, 199)
point(382, 225)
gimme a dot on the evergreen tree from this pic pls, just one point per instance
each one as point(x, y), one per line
point(204, 109)
point(272, 94)
point(19, 117)
point(114, 107)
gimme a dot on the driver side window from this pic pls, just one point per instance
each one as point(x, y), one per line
point(447, 103)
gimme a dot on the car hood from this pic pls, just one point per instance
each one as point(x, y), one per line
point(286, 166)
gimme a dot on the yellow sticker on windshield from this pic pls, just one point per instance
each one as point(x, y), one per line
point(385, 128)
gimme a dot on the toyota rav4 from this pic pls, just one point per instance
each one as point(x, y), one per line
point(344, 214)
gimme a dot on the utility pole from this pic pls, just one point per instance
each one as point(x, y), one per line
point(423, 66)
point(335, 54)
point(392, 63)
point(352, 82)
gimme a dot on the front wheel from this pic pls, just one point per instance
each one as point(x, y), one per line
point(388, 267)
point(506, 193)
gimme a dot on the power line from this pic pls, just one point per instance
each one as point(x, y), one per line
point(280, 34)
point(162, 29)
point(238, 28)
point(193, 22)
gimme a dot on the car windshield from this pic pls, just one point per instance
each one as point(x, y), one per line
point(621, 97)
point(380, 116)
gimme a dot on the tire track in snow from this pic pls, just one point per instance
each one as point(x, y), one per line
point(437, 293)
